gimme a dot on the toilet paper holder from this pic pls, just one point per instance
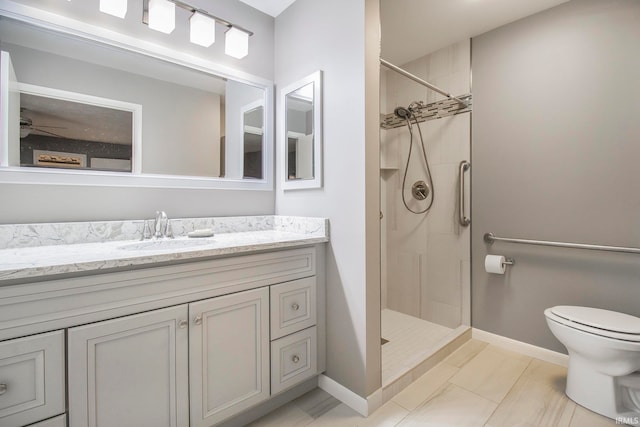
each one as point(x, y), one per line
point(497, 264)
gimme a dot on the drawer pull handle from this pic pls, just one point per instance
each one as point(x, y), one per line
point(3, 389)
point(295, 306)
point(295, 358)
point(198, 320)
point(182, 324)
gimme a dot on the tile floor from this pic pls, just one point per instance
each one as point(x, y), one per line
point(478, 385)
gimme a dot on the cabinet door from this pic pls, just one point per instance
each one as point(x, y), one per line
point(228, 355)
point(131, 371)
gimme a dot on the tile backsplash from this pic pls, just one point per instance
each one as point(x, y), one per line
point(67, 233)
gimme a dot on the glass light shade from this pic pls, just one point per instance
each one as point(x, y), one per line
point(162, 15)
point(114, 7)
point(203, 30)
point(236, 43)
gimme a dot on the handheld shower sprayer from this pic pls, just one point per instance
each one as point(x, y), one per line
point(403, 113)
point(421, 189)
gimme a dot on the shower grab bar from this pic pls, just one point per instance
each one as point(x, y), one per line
point(417, 79)
point(464, 221)
point(489, 238)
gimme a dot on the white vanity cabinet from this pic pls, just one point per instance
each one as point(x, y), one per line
point(184, 345)
point(131, 371)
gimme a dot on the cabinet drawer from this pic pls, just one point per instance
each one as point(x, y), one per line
point(293, 359)
point(32, 376)
point(60, 421)
point(293, 307)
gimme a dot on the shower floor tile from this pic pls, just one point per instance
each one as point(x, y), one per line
point(411, 340)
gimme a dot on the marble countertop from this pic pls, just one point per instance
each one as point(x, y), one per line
point(265, 233)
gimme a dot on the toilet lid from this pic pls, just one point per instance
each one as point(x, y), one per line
point(600, 319)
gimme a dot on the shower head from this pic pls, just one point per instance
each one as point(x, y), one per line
point(402, 113)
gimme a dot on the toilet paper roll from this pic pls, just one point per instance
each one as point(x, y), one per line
point(494, 264)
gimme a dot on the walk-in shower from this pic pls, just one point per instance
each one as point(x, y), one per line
point(425, 268)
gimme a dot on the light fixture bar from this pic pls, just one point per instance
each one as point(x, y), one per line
point(192, 9)
point(220, 21)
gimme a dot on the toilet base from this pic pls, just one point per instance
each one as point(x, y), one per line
point(615, 397)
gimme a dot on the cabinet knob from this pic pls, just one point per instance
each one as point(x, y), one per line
point(295, 306)
point(183, 324)
point(197, 320)
point(295, 358)
point(3, 389)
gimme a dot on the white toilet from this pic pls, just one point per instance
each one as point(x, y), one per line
point(604, 359)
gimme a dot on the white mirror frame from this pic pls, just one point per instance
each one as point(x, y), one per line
point(316, 181)
point(65, 25)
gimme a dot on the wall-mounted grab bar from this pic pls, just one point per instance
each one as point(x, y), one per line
point(464, 221)
point(490, 238)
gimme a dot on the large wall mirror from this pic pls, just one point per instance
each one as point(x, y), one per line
point(76, 110)
point(301, 115)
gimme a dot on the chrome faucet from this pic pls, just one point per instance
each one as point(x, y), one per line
point(160, 225)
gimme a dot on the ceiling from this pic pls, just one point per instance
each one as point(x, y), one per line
point(270, 7)
point(414, 28)
point(74, 120)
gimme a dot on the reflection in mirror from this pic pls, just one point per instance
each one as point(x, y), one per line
point(253, 130)
point(65, 130)
point(301, 107)
point(189, 124)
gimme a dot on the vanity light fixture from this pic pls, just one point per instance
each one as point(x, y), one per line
point(114, 7)
point(203, 29)
point(202, 24)
point(236, 43)
point(162, 15)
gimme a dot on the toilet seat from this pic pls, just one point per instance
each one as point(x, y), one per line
point(605, 323)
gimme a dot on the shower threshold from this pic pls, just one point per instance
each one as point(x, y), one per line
point(414, 346)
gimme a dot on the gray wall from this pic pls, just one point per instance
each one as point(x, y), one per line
point(556, 142)
point(22, 203)
point(330, 36)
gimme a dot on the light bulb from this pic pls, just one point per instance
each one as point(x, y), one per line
point(162, 15)
point(236, 43)
point(203, 30)
point(114, 7)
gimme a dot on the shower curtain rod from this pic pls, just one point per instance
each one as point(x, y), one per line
point(416, 79)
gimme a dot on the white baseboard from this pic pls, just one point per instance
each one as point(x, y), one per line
point(521, 347)
point(356, 402)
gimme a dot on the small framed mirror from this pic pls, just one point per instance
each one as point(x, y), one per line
point(301, 133)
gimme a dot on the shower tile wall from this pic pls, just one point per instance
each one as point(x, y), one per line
point(426, 258)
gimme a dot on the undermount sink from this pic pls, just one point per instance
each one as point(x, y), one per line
point(158, 245)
